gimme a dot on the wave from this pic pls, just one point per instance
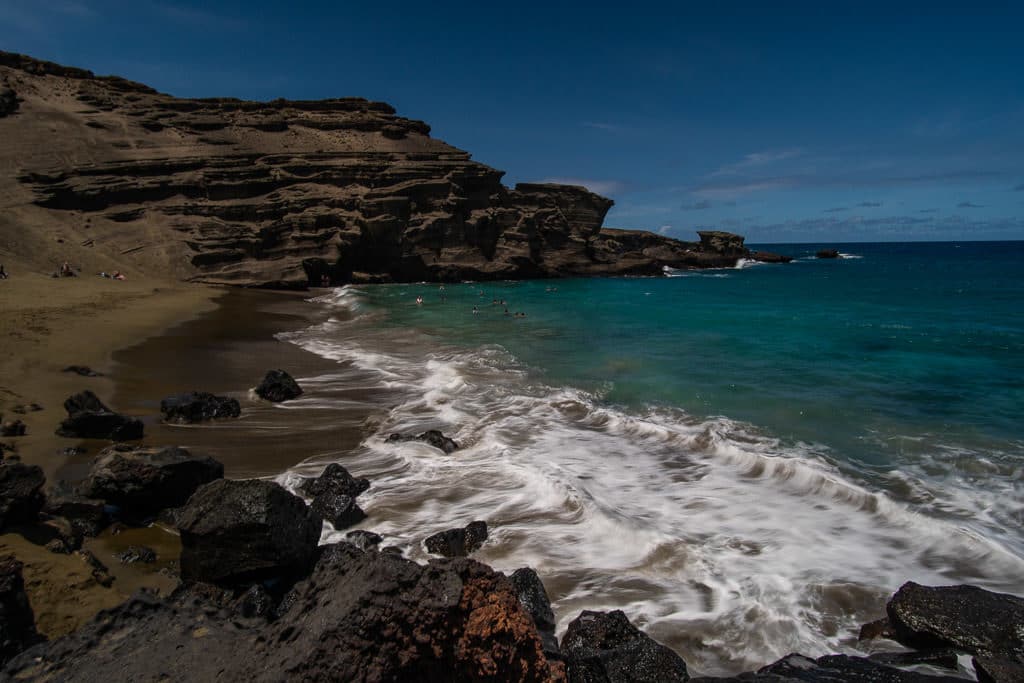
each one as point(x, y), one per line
point(730, 545)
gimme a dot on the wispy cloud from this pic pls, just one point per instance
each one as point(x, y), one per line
point(969, 205)
point(756, 160)
point(836, 209)
point(870, 205)
point(598, 186)
point(697, 206)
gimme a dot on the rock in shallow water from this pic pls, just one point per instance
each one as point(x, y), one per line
point(278, 386)
point(143, 481)
point(338, 509)
point(236, 532)
point(335, 479)
point(198, 406)
point(606, 647)
point(458, 542)
point(431, 437)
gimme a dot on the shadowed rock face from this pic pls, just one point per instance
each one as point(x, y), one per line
point(290, 193)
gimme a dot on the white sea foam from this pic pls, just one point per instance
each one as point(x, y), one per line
point(730, 545)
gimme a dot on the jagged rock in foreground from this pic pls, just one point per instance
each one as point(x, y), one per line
point(605, 646)
point(969, 619)
point(360, 616)
point(290, 193)
point(532, 595)
point(17, 622)
point(143, 481)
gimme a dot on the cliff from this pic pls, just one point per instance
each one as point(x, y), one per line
point(111, 173)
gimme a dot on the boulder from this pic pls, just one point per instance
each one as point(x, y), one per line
point(334, 479)
point(88, 418)
point(533, 597)
point(338, 509)
point(605, 646)
point(21, 495)
point(432, 437)
point(237, 532)
point(12, 428)
point(87, 516)
point(828, 253)
point(143, 481)
point(360, 616)
point(458, 542)
point(17, 621)
point(769, 257)
point(966, 618)
point(278, 386)
point(198, 406)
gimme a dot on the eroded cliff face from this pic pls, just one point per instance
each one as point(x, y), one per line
point(287, 193)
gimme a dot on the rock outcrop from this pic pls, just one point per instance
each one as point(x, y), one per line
point(291, 193)
point(277, 386)
point(458, 542)
point(360, 616)
point(605, 646)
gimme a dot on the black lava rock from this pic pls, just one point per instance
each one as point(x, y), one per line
point(605, 646)
point(432, 437)
point(458, 542)
point(198, 406)
point(88, 418)
point(21, 495)
point(335, 479)
point(338, 509)
point(278, 386)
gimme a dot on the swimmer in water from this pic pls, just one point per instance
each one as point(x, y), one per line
point(419, 300)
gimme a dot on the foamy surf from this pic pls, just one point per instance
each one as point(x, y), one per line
point(730, 545)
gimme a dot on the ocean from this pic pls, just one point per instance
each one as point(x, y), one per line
point(746, 461)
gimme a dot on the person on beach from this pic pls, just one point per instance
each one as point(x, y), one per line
point(118, 275)
point(65, 270)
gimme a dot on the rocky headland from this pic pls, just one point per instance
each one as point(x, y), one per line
point(286, 194)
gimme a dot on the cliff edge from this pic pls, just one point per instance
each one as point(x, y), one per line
point(111, 174)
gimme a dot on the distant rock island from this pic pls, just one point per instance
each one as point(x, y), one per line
point(287, 194)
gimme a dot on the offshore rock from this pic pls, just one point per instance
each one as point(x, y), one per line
point(432, 437)
point(88, 418)
point(360, 616)
point(605, 646)
point(828, 253)
point(143, 481)
point(17, 621)
point(198, 406)
point(278, 386)
point(239, 532)
point(21, 495)
point(288, 194)
point(458, 542)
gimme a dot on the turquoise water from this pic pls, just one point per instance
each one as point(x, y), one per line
point(746, 461)
point(898, 347)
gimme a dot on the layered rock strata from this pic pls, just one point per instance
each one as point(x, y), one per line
point(292, 193)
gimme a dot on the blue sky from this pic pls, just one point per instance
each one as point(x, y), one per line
point(824, 121)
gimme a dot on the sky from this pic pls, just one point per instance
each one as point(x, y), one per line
point(784, 122)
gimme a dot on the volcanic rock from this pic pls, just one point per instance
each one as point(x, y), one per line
point(17, 621)
point(278, 386)
point(87, 516)
point(829, 669)
point(335, 479)
point(143, 481)
point(21, 495)
point(605, 646)
point(458, 542)
point(338, 509)
point(532, 596)
point(198, 406)
point(828, 253)
point(966, 618)
point(237, 532)
point(362, 539)
point(431, 437)
point(88, 418)
point(360, 616)
point(12, 428)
